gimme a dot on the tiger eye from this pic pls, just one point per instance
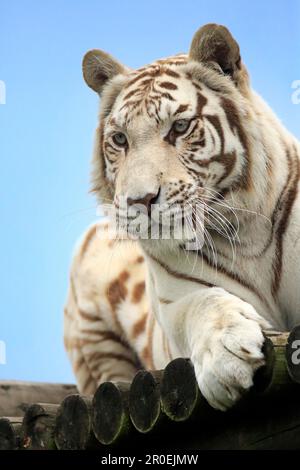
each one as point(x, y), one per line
point(120, 139)
point(181, 126)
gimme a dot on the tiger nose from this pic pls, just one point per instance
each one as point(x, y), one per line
point(147, 200)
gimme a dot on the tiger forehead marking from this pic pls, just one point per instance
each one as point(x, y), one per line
point(151, 87)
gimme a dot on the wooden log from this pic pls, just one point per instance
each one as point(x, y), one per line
point(180, 394)
point(73, 427)
point(267, 417)
point(144, 400)
point(38, 426)
point(110, 413)
point(10, 433)
point(15, 397)
point(274, 375)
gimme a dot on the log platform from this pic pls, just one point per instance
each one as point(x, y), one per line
point(159, 409)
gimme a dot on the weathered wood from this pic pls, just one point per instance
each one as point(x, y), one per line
point(144, 400)
point(274, 374)
point(179, 390)
point(73, 428)
point(110, 412)
point(15, 397)
point(38, 426)
point(266, 418)
point(10, 433)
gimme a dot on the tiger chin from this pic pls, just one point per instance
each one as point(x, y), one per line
point(182, 132)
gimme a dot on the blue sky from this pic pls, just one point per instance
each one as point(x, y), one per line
point(46, 132)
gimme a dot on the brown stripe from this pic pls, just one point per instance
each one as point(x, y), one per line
point(138, 292)
point(131, 93)
point(216, 123)
point(286, 208)
point(99, 356)
point(193, 128)
point(234, 122)
point(132, 103)
point(228, 160)
point(201, 102)
point(136, 78)
point(149, 73)
point(88, 316)
point(181, 108)
point(111, 336)
point(196, 85)
point(90, 331)
point(234, 276)
point(116, 291)
point(178, 275)
point(168, 85)
point(145, 84)
point(79, 343)
point(139, 326)
point(171, 73)
point(167, 96)
point(164, 301)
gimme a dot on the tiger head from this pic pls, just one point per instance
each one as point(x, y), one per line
point(171, 132)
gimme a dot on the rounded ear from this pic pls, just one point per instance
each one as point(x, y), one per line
point(98, 67)
point(214, 43)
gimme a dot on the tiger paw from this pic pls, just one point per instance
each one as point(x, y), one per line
point(228, 353)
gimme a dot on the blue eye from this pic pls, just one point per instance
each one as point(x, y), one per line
point(120, 139)
point(181, 126)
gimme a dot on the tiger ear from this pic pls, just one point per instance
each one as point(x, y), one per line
point(99, 67)
point(213, 43)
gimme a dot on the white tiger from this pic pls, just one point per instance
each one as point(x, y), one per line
point(182, 131)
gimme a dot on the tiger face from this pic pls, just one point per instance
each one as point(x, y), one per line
point(170, 133)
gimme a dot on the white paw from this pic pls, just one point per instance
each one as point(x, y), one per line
point(228, 353)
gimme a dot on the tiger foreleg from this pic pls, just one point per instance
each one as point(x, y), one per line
point(223, 336)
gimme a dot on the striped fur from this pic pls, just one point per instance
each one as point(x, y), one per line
point(139, 304)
